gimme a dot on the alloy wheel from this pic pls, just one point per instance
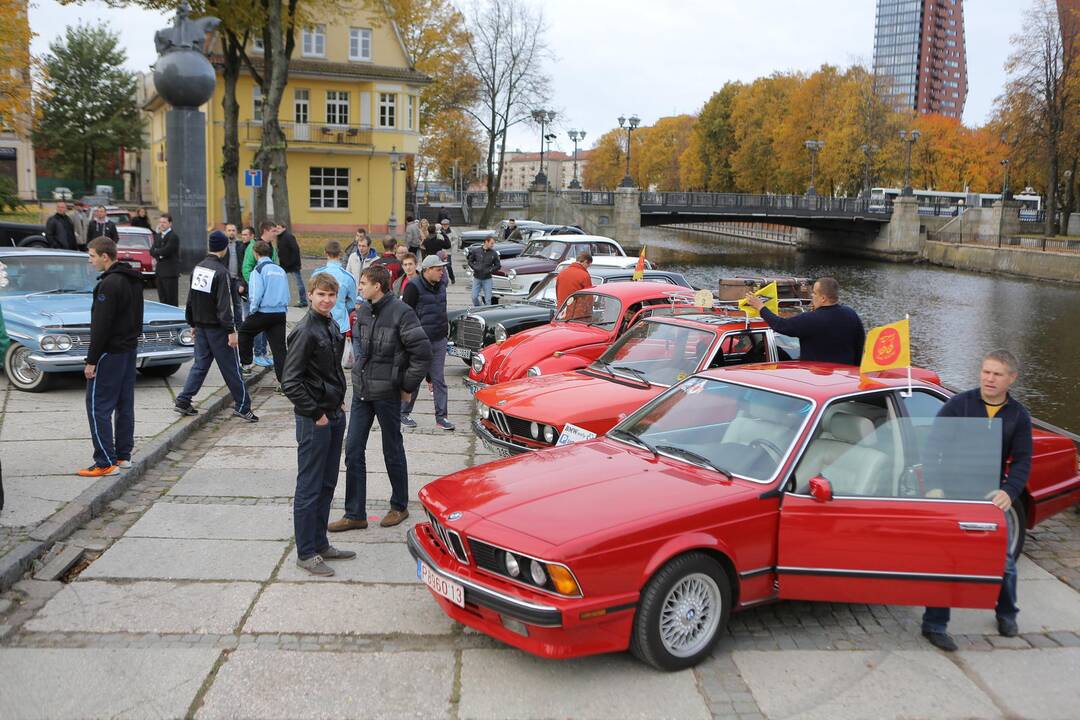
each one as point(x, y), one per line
point(690, 614)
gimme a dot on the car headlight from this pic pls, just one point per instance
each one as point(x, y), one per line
point(512, 566)
point(63, 343)
point(484, 410)
point(478, 362)
point(187, 336)
point(537, 573)
point(48, 343)
point(534, 430)
point(549, 434)
point(512, 274)
point(534, 371)
point(500, 333)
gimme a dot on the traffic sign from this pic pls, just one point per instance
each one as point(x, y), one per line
point(253, 178)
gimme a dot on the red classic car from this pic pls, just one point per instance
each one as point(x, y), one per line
point(735, 487)
point(586, 324)
point(134, 249)
point(538, 412)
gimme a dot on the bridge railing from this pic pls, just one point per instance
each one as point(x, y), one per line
point(592, 197)
point(800, 204)
point(1031, 243)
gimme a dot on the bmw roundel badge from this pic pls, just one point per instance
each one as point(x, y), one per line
point(453, 516)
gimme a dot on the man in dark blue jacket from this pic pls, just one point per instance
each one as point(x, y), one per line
point(831, 333)
point(991, 400)
point(427, 296)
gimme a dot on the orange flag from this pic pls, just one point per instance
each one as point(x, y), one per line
point(639, 270)
point(887, 347)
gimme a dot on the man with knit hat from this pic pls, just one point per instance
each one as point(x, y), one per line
point(210, 312)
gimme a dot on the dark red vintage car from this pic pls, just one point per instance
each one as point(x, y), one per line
point(584, 327)
point(134, 249)
point(735, 487)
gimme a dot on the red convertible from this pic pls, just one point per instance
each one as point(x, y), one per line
point(735, 487)
point(586, 324)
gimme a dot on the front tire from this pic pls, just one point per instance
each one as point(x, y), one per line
point(683, 609)
point(22, 373)
point(160, 371)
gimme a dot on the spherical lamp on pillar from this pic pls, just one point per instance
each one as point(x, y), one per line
point(576, 136)
point(630, 124)
point(543, 117)
point(814, 146)
point(908, 138)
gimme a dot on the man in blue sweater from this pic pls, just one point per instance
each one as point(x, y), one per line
point(268, 296)
point(346, 297)
point(831, 333)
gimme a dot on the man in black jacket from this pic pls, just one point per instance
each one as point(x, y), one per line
point(484, 262)
point(59, 232)
point(210, 312)
point(831, 333)
point(166, 250)
point(991, 400)
point(100, 226)
point(289, 260)
point(392, 358)
point(116, 319)
point(315, 384)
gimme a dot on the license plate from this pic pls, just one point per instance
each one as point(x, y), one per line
point(439, 585)
point(572, 433)
point(135, 264)
point(473, 389)
point(495, 449)
point(463, 353)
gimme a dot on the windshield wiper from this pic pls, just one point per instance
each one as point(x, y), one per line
point(696, 458)
point(633, 371)
point(636, 440)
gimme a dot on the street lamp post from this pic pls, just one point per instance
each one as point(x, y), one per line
point(576, 136)
point(909, 138)
point(391, 224)
point(631, 125)
point(814, 146)
point(543, 117)
point(868, 150)
point(1006, 192)
point(960, 210)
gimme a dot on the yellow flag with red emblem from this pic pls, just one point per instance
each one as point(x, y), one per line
point(770, 294)
point(639, 269)
point(887, 347)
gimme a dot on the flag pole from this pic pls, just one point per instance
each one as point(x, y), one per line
point(909, 390)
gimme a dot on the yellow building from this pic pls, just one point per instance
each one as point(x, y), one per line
point(351, 103)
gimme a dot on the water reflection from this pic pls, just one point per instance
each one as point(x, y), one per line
point(956, 316)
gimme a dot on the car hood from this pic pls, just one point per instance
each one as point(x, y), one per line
point(511, 359)
point(589, 401)
point(72, 309)
point(567, 493)
point(527, 265)
point(502, 313)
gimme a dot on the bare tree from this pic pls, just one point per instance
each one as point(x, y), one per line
point(506, 54)
point(1041, 82)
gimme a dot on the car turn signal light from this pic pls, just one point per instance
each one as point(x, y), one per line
point(563, 580)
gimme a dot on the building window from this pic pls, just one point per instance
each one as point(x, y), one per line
point(359, 44)
point(257, 44)
point(314, 41)
point(387, 110)
point(411, 111)
point(257, 104)
point(337, 107)
point(329, 188)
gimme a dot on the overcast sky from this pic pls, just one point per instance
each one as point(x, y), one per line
point(658, 58)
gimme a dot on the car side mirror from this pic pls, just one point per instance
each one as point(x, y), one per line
point(821, 489)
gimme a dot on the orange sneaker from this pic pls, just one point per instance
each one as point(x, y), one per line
point(95, 471)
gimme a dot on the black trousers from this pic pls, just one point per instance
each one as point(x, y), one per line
point(168, 291)
point(273, 324)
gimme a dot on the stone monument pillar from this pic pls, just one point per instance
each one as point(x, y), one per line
point(185, 79)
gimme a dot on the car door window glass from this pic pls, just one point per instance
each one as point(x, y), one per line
point(921, 408)
point(603, 249)
point(741, 348)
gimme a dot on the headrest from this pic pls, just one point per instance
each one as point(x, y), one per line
point(851, 429)
point(761, 406)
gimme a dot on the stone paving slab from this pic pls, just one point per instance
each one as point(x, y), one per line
point(374, 563)
point(43, 425)
point(47, 457)
point(830, 685)
point(1042, 684)
point(284, 458)
point(505, 684)
point(116, 683)
point(204, 482)
point(347, 610)
point(171, 559)
point(374, 533)
point(295, 685)
point(149, 606)
point(29, 499)
point(223, 522)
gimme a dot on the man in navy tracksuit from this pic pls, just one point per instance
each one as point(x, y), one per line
point(210, 312)
point(831, 333)
point(116, 318)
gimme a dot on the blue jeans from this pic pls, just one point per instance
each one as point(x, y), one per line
point(110, 397)
point(212, 345)
point(481, 287)
point(937, 619)
point(300, 289)
point(438, 380)
point(362, 416)
point(318, 454)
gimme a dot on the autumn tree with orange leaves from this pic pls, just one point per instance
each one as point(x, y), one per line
point(14, 81)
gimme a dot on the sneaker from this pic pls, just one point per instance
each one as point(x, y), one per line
point(407, 421)
point(247, 369)
point(332, 553)
point(315, 566)
point(445, 424)
point(347, 524)
point(300, 305)
point(185, 409)
point(394, 517)
point(1007, 627)
point(249, 416)
point(940, 640)
point(97, 471)
point(279, 390)
point(264, 361)
point(123, 464)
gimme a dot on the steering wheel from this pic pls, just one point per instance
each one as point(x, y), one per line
point(770, 448)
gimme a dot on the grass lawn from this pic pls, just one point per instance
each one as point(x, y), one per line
point(25, 215)
point(312, 244)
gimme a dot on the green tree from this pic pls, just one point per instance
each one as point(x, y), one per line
point(87, 103)
point(714, 139)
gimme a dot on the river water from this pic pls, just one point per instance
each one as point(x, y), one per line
point(956, 316)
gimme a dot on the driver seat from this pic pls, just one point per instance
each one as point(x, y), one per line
point(850, 467)
point(761, 421)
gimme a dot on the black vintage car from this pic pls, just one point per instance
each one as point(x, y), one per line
point(506, 248)
point(13, 234)
point(475, 328)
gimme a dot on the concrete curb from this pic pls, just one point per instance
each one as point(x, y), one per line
point(93, 500)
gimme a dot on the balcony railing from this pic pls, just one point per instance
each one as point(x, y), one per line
point(314, 133)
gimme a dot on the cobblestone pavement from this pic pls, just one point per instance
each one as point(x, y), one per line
point(188, 603)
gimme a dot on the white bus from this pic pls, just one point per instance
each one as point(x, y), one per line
point(937, 202)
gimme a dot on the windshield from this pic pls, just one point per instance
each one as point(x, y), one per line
point(48, 274)
point(545, 249)
point(658, 353)
point(545, 289)
point(591, 309)
point(134, 240)
point(740, 430)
